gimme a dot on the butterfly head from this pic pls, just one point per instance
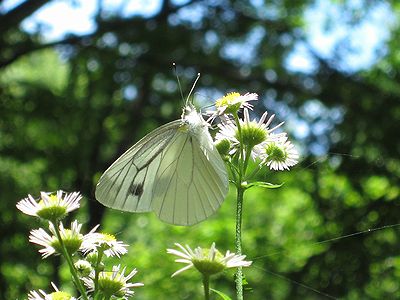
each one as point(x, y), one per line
point(191, 119)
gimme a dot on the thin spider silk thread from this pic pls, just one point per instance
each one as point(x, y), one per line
point(333, 239)
point(370, 230)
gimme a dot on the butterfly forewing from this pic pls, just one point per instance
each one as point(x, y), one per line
point(127, 183)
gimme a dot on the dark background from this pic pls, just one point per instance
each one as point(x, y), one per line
point(70, 106)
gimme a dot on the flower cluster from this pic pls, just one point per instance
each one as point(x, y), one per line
point(254, 138)
point(83, 252)
point(238, 140)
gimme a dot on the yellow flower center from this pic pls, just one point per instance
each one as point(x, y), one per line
point(227, 100)
point(60, 296)
point(108, 237)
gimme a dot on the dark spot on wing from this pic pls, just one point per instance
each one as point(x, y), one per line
point(136, 189)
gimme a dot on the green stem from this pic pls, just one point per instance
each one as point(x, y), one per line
point(97, 272)
point(238, 241)
point(100, 296)
point(206, 286)
point(72, 269)
point(242, 166)
point(234, 171)
point(246, 160)
point(241, 148)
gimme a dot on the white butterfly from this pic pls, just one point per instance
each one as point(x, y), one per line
point(174, 171)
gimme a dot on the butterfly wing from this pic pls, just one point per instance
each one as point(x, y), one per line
point(175, 172)
point(128, 183)
point(191, 180)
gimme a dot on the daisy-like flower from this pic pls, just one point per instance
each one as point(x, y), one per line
point(207, 261)
point(72, 239)
point(107, 243)
point(114, 283)
point(227, 133)
point(57, 295)
point(278, 155)
point(232, 102)
point(252, 132)
point(50, 207)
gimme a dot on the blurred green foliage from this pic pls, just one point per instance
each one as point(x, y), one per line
point(69, 108)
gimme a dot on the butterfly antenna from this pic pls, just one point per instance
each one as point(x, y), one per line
point(191, 90)
point(177, 79)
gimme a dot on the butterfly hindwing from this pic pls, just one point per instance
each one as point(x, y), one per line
point(191, 181)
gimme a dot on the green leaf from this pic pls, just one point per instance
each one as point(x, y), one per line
point(264, 185)
point(222, 295)
point(246, 285)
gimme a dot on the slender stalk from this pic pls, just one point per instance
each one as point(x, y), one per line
point(246, 161)
point(206, 286)
point(100, 296)
point(234, 171)
point(72, 269)
point(238, 241)
point(243, 162)
point(97, 272)
point(241, 148)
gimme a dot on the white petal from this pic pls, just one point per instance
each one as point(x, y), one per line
point(181, 270)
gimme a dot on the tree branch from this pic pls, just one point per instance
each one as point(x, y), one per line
point(28, 49)
point(14, 17)
point(103, 26)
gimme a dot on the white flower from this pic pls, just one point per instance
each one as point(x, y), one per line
point(279, 154)
point(251, 132)
point(50, 207)
point(57, 295)
point(72, 239)
point(227, 131)
point(95, 241)
point(113, 283)
point(207, 261)
point(42, 238)
point(232, 102)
